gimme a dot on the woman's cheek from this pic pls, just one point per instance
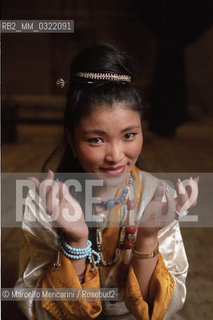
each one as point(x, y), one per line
point(89, 156)
point(135, 149)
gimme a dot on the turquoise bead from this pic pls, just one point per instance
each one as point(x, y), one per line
point(78, 253)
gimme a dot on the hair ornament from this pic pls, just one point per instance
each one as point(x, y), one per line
point(60, 83)
point(103, 76)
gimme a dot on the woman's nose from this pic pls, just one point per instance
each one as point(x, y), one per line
point(114, 153)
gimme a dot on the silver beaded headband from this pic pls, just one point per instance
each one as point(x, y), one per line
point(103, 76)
point(61, 83)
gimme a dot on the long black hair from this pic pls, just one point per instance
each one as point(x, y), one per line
point(85, 95)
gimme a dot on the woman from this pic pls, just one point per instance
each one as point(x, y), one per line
point(136, 241)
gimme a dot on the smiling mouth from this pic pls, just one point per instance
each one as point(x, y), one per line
point(114, 171)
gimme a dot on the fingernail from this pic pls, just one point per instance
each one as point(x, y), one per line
point(181, 189)
point(179, 181)
point(191, 179)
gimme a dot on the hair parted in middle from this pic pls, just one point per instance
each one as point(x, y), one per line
point(86, 94)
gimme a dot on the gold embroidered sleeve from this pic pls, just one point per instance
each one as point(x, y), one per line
point(65, 277)
point(133, 298)
point(161, 289)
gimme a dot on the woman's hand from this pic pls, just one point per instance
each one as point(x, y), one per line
point(63, 208)
point(163, 208)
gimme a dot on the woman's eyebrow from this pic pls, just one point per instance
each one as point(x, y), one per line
point(94, 131)
point(130, 128)
point(99, 131)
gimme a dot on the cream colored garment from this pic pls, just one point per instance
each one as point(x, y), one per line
point(40, 244)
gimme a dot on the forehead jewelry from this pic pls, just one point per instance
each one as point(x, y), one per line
point(104, 76)
point(60, 83)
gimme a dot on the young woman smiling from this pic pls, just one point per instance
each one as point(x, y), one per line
point(135, 244)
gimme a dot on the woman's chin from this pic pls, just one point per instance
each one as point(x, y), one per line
point(113, 180)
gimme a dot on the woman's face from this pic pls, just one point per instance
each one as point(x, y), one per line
point(109, 140)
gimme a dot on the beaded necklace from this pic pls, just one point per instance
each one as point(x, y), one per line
point(127, 227)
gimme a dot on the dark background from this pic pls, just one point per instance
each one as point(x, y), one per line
point(171, 45)
point(170, 41)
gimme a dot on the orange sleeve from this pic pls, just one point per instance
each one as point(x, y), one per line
point(65, 277)
point(161, 288)
point(133, 298)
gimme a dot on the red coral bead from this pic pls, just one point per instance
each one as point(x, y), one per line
point(128, 244)
point(130, 229)
point(131, 204)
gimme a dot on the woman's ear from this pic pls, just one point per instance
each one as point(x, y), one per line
point(70, 142)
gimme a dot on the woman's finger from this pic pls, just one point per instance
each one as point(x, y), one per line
point(189, 198)
point(183, 195)
point(194, 191)
point(171, 207)
point(45, 185)
point(197, 179)
point(35, 181)
point(49, 179)
point(159, 193)
point(70, 209)
point(52, 199)
point(180, 187)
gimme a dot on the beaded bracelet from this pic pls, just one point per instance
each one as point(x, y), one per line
point(79, 253)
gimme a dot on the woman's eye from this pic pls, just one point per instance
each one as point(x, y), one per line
point(96, 140)
point(129, 136)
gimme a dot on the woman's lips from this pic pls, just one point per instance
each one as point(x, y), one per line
point(112, 170)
